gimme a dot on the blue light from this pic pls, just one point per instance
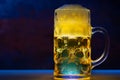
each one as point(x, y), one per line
point(106, 72)
point(19, 72)
point(25, 72)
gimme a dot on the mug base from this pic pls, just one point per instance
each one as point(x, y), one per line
point(71, 77)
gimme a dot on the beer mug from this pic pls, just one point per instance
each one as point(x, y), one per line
point(72, 43)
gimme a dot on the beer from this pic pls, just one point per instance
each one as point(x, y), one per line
point(72, 56)
point(72, 37)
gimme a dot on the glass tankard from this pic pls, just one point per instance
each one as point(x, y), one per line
point(72, 43)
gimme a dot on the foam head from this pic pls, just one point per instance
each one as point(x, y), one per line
point(72, 20)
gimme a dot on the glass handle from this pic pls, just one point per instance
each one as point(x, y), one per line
point(104, 55)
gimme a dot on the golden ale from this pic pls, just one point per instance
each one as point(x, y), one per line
point(72, 55)
point(72, 38)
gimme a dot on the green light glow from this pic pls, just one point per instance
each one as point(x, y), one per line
point(70, 68)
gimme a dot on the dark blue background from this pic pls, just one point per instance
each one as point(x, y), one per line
point(26, 32)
